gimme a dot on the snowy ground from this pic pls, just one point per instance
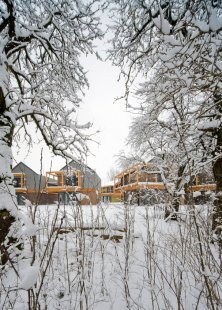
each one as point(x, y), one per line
point(116, 257)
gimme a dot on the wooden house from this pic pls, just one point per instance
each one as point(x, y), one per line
point(137, 177)
point(134, 183)
point(142, 183)
point(30, 185)
point(107, 194)
point(204, 184)
point(74, 181)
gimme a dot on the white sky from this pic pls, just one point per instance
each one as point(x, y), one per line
point(110, 118)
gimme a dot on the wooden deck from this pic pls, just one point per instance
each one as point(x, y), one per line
point(141, 185)
point(62, 189)
point(110, 194)
point(203, 187)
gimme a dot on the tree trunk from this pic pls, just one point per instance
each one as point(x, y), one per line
point(217, 215)
point(217, 170)
point(175, 204)
point(8, 204)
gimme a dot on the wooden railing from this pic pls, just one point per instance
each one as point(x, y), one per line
point(141, 176)
point(59, 181)
point(138, 176)
point(19, 182)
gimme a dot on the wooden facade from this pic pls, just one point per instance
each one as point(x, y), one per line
point(107, 194)
point(198, 185)
point(59, 181)
point(139, 176)
point(70, 185)
point(142, 182)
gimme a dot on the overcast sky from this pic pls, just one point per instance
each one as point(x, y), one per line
point(107, 116)
point(110, 118)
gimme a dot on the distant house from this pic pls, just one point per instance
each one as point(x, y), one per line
point(89, 177)
point(75, 181)
point(142, 183)
point(139, 176)
point(107, 193)
point(30, 185)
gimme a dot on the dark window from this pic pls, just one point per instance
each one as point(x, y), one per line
point(17, 182)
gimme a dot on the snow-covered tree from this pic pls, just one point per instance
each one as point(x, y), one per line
point(167, 132)
point(125, 159)
point(112, 173)
point(182, 40)
point(42, 79)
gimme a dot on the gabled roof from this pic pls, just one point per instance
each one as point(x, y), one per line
point(79, 163)
point(23, 167)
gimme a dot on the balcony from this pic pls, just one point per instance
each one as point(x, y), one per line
point(202, 187)
point(19, 182)
point(59, 181)
point(138, 177)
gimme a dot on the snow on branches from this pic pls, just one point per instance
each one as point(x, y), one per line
point(41, 77)
point(176, 46)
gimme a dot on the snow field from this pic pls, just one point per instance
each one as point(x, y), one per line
point(116, 257)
